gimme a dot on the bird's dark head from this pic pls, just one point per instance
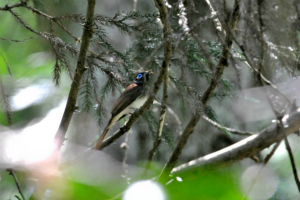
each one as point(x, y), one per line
point(142, 77)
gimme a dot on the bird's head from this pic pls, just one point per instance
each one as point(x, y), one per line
point(143, 77)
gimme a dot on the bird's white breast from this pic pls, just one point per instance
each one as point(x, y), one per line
point(138, 102)
point(130, 109)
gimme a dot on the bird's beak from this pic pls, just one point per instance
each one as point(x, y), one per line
point(150, 72)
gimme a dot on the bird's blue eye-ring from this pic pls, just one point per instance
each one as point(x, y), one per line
point(139, 76)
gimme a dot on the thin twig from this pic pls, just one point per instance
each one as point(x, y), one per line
point(158, 138)
point(9, 7)
point(55, 20)
point(266, 160)
point(289, 150)
point(173, 114)
point(269, 156)
point(24, 23)
point(153, 53)
point(263, 80)
point(186, 33)
point(205, 53)
point(12, 40)
point(262, 41)
point(12, 172)
point(6, 63)
point(231, 130)
point(40, 13)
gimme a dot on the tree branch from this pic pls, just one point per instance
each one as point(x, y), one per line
point(158, 138)
point(289, 150)
point(7, 7)
point(12, 40)
point(219, 126)
point(40, 13)
point(244, 148)
point(80, 68)
point(197, 116)
point(12, 172)
point(50, 18)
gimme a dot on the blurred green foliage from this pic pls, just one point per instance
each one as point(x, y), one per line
point(206, 184)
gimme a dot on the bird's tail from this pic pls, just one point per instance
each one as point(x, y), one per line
point(100, 140)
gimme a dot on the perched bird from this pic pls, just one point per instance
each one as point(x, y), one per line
point(134, 96)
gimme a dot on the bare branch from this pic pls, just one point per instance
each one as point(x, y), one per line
point(12, 40)
point(289, 150)
point(245, 148)
point(7, 7)
point(269, 156)
point(80, 68)
point(219, 126)
point(205, 53)
point(194, 26)
point(158, 138)
point(38, 12)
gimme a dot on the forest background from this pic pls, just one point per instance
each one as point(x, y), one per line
point(225, 81)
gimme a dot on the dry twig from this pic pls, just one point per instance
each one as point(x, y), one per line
point(12, 172)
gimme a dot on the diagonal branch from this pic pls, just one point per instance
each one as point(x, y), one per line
point(244, 148)
point(80, 68)
point(292, 159)
point(158, 138)
point(16, 5)
point(219, 126)
point(12, 40)
point(12, 172)
point(38, 12)
point(50, 18)
point(266, 160)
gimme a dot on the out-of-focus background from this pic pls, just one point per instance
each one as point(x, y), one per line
point(240, 102)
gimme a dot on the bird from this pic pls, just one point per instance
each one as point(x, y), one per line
point(134, 96)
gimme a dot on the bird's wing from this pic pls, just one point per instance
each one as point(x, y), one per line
point(131, 93)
